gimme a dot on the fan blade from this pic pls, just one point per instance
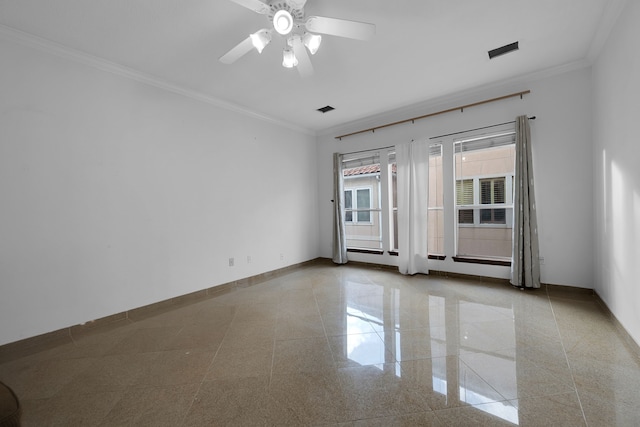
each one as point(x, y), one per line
point(305, 68)
point(255, 5)
point(237, 52)
point(341, 27)
point(297, 4)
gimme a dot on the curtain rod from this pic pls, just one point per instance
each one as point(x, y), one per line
point(473, 130)
point(413, 119)
point(436, 137)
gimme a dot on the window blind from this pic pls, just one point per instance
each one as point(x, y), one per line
point(482, 143)
point(361, 159)
point(464, 192)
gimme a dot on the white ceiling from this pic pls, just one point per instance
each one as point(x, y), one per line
point(423, 49)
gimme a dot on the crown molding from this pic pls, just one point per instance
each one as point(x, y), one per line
point(102, 64)
point(610, 17)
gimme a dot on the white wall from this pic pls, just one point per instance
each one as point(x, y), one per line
point(116, 194)
point(562, 161)
point(616, 111)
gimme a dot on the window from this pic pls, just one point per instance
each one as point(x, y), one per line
point(470, 200)
point(348, 205)
point(435, 217)
point(492, 193)
point(464, 197)
point(484, 170)
point(393, 173)
point(362, 198)
point(435, 233)
point(360, 205)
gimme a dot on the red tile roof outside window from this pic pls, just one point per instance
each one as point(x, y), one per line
point(364, 170)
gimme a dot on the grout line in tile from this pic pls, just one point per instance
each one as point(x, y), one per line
point(195, 396)
point(366, 279)
point(273, 359)
point(564, 351)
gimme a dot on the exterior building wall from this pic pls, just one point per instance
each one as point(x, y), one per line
point(489, 162)
point(486, 240)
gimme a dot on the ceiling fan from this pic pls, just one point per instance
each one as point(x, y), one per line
point(288, 19)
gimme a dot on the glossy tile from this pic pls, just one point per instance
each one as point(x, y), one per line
point(416, 343)
point(152, 406)
point(174, 367)
point(420, 419)
point(241, 334)
point(66, 409)
point(554, 409)
point(307, 398)
point(447, 382)
point(379, 391)
point(44, 379)
point(197, 335)
point(256, 312)
point(487, 336)
point(519, 377)
point(342, 346)
point(292, 326)
point(489, 414)
point(359, 350)
point(302, 355)
point(212, 314)
point(619, 408)
point(230, 362)
point(111, 373)
point(230, 402)
point(145, 340)
point(345, 321)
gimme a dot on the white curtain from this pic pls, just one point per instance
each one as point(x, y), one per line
point(412, 161)
point(525, 264)
point(339, 239)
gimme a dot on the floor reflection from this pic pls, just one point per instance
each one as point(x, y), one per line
point(363, 316)
point(346, 345)
point(362, 348)
point(466, 341)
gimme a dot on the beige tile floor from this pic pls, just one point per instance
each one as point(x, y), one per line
point(348, 346)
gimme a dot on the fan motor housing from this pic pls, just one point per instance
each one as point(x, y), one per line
point(297, 14)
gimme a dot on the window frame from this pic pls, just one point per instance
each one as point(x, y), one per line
point(355, 210)
point(361, 179)
point(478, 206)
point(481, 141)
point(386, 158)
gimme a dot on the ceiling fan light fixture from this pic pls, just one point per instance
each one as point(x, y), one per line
point(289, 60)
point(261, 39)
point(283, 22)
point(312, 42)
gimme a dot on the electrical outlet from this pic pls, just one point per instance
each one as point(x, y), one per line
point(541, 260)
point(281, 257)
point(248, 259)
point(230, 262)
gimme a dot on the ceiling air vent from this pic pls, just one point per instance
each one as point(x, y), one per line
point(502, 50)
point(326, 109)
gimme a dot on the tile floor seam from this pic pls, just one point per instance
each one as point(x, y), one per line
point(326, 336)
point(483, 379)
point(273, 357)
point(539, 341)
point(566, 356)
point(197, 393)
